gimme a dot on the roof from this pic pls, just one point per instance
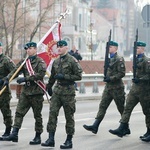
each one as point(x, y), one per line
point(109, 14)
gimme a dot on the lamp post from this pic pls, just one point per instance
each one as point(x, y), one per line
point(91, 28)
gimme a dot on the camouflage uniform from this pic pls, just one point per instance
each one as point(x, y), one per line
point(64, 92)
point(6, 66)
point(115, 88)
point(32, 94)
point(140, 92)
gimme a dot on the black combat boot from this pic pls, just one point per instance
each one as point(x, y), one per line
point(68, 143)
point(146, 139)
point(36, 140)
point(93, 128)
point(146, 134)
point(6, 133)
point(122, 130)
point(13, 136)
point(50, 142)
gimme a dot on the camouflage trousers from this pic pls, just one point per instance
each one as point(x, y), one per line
point(118, 95)
point(25, 103)
point(134, 97)
point(5, 109)
point(68, 104)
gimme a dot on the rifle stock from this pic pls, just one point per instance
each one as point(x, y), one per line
point(106, 63)
point(134, 55)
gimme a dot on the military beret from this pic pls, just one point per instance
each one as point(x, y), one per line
point(1, 44)
point(62, 43)
point(112, 43)
point(142, 44)
point(30, 44)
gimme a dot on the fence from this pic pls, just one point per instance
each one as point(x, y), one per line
point(92, 79)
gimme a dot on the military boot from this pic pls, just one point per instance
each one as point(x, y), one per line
point(122, 130)
point(146, 134)
point(93, 128)
point(50, 142)
point(146, 139)
point(36, 140)
point(68, 143)
point(6, 133)
point(13, 136)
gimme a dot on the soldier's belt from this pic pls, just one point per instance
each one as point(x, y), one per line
point(30, 83)
point(65, 84)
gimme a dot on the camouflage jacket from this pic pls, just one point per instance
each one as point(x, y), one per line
point(70, 68)
point(6, 66)
point(39, 67)
point(116, 72)
point(143, 72)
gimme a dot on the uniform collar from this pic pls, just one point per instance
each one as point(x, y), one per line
point(32, 57)
point(112, 55)
point(140, 55)
point(63, 57)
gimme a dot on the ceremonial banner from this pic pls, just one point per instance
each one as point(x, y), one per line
point(47, 48)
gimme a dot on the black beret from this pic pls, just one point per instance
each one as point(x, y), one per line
point(62, 43)
point(112, 43)
point(30, 44)
point(142, 44)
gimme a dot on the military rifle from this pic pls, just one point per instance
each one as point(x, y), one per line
point(106, 63)
point(134, 55)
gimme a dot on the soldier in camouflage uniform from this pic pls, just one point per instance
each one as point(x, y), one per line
point(6, 65)
point(140, 92)
point(114, 89)
point(65, 70)
point(32, 94)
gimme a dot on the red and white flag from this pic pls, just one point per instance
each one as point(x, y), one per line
point(47, 48)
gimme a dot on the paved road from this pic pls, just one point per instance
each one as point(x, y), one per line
point(83, 140)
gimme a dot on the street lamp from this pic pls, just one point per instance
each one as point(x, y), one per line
point(91, 28)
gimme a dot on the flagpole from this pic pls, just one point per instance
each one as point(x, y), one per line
point(2, 90)
point(62, 16)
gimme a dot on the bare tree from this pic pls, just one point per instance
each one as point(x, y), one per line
point(42, 18)
point(17, 21)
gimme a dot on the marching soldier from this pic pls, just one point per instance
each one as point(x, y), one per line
point(65, 71)
point(6, 66)
point(114, 89)
point(140, 92)
point(32, 94)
